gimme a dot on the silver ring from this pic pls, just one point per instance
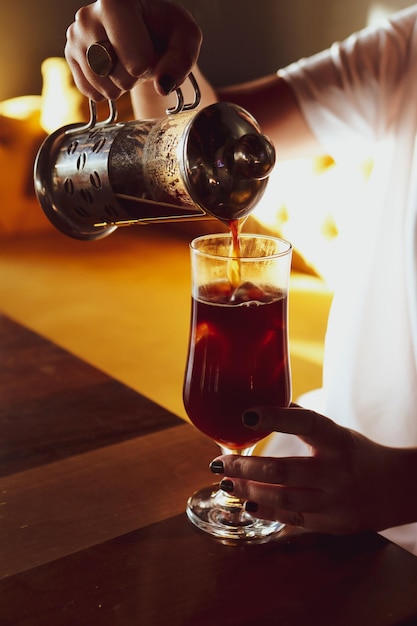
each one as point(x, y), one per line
point(101, 58)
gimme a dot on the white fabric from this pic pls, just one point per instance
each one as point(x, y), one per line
point(360, 99)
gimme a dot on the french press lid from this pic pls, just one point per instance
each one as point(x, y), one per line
point(226, 161)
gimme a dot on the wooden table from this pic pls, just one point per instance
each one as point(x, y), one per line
point(94, 481)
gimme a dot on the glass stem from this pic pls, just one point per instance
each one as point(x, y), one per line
point(231, 505)
point(241, 452)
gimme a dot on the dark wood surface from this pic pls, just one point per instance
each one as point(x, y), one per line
point(94, 481)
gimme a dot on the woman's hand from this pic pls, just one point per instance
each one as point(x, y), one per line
point(348, 484)
point(153, 40)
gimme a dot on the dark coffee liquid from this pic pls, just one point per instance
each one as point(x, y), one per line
point(238, 358)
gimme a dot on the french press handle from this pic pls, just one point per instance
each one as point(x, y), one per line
point(180, 106)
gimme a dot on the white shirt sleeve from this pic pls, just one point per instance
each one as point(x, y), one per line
point(350, 94)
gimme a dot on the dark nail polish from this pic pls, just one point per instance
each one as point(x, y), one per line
point(217, 467)
point(251, 507)
point(250, 418)
point(167, 83)
point(227, 485)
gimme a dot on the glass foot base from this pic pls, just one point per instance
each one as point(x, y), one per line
point(224, 516)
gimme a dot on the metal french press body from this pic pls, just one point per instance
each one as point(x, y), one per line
point(191, 164)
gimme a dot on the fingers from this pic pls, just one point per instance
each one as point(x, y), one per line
point(269, 489)
point(289, 505)
point(277, 498)
point(291, 484)
point(157, 40)
point(288, 471)
point(295, 507)
point(182, 47)
point(270, 486)
point(86, 30)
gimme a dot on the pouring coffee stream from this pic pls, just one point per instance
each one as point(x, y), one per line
point(191, 164)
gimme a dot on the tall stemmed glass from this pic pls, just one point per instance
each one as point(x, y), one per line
point(238, 358)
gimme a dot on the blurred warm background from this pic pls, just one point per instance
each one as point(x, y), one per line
point(118, 302)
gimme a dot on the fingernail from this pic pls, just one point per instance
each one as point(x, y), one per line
point(217, 467)
point(251, 507)
point(167, 83)
point(227, 485)
point(250, 418)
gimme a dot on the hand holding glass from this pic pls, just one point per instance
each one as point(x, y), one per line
point(238, 358)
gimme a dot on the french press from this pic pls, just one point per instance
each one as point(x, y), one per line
point(191, 164)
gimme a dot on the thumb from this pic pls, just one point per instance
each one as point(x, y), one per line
point(314, 429)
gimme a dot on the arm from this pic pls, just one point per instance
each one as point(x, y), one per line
point(348, 484)
point(270, 100)
point(273, 104)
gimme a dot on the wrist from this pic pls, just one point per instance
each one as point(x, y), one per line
point(147, 103)
point(398, 488)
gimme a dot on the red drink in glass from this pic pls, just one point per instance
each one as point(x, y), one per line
point(238, 358)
